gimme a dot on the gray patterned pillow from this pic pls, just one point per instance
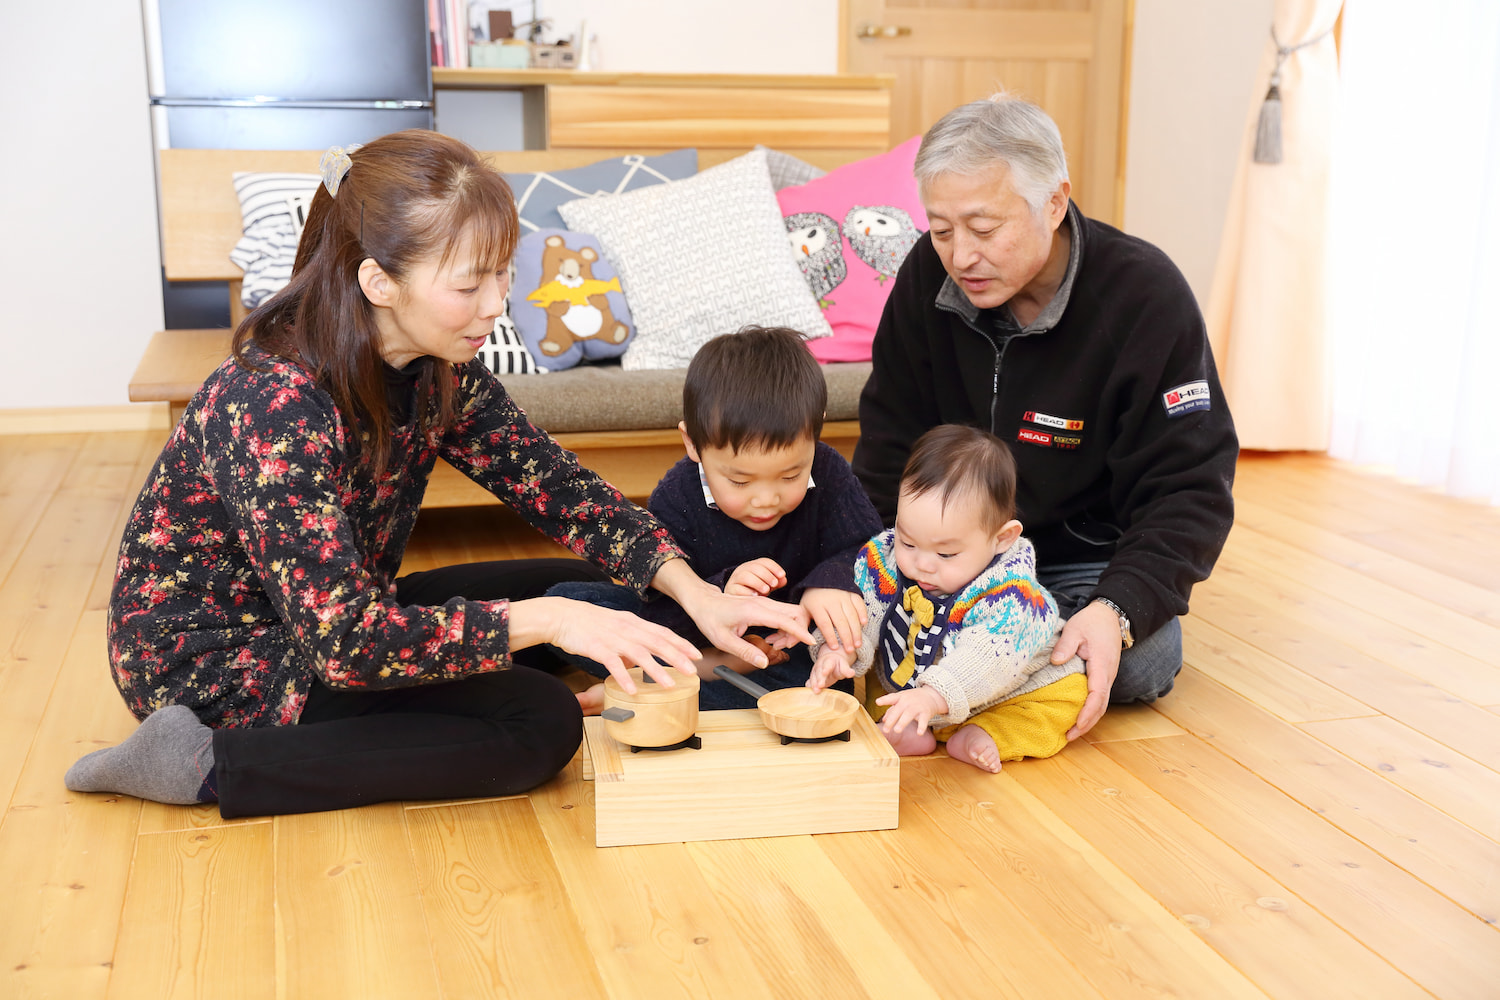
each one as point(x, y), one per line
point(700, 257)
point(788, 171)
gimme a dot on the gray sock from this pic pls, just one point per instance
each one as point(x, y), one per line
point(165, 760)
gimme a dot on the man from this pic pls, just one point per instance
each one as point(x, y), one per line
point(1084, 349)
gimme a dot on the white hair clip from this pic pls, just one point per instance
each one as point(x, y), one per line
point(334, 165)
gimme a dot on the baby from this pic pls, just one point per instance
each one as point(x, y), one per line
point(959, 630)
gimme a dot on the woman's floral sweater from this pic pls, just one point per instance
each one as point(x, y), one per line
point(261, 554)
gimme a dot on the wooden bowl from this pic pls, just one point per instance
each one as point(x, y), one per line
point(798, 712)
point(806, 714)
point(661, 716)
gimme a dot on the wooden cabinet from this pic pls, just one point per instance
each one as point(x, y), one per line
point(1069, 56)
point(828, 120)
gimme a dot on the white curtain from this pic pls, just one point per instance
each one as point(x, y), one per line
point(1414, 243)
point(1267, 314)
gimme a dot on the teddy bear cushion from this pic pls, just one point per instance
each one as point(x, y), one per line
point(566, 300)
point(850, 230)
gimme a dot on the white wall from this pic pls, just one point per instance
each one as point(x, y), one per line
point(80, 265)
point(1193, 74)
point(703, 36)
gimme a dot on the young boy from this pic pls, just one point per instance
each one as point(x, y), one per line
point(759, 505)
point(958, 627)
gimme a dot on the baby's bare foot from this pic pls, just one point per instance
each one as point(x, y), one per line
point(909, 743)
point(973, 745)
point(592, 700)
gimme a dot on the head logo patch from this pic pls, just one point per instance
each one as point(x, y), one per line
point(1048, 420)
point(1186, 398)
point(1026, 435)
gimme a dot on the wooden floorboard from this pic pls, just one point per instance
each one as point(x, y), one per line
point(1311, 813)
point(1364, 804)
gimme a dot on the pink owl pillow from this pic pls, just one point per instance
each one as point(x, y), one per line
point(850, 230)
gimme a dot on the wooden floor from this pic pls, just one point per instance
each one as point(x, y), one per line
point(1313, 812)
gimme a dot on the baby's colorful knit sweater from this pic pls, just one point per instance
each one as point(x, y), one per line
point(997, 642)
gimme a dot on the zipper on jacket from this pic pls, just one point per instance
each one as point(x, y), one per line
point(999, 350)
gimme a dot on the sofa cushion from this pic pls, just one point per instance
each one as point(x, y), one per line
point(539, 194)
point(850, 231)
point(269, 203)
point(506, 352)
point(787, 170)
point(604, 397)
point(566, 300)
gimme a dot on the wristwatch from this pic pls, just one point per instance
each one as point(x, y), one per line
point(1126, 639)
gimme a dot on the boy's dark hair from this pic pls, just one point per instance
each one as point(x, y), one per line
point(758, 388)
point(960, 461)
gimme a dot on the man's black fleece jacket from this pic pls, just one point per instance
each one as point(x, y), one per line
point(1125, 449)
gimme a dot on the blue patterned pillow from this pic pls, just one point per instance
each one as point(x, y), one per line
point(538, 195)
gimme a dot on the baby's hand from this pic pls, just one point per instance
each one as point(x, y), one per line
point(832, 665)
point(838, 614)
point(756, 578)
point(918, 704)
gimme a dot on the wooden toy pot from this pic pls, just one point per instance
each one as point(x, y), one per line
point(656, 715)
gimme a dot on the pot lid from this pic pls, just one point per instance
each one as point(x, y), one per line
point(648, 691)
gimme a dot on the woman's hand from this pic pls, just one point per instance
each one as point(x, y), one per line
point(617, 639)
point(757, 577)
point(723, 618)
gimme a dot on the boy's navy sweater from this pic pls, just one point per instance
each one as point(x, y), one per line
point(815, 544)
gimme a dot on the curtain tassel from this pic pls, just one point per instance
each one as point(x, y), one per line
point(1268, 128)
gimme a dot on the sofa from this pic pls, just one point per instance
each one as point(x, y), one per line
point(619, 418)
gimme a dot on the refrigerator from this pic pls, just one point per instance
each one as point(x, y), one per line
point(279, 74)
point(286, 74)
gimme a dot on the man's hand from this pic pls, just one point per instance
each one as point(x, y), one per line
point(838, 614)
point(756, 578)
point(1094, 634)
point(918, 704)
point(832, 665)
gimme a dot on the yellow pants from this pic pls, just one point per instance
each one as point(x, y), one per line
point(1029, 725)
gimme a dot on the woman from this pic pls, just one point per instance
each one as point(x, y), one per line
point(256, 625)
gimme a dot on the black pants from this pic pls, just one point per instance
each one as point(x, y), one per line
point(489, 734)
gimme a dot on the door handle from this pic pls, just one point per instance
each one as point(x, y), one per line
point(882, 31)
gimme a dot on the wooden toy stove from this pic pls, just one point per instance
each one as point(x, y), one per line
point(743, 781)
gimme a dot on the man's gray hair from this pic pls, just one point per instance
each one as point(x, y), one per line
point(974, 137)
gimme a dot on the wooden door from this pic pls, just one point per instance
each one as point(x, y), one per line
point(1069, 56)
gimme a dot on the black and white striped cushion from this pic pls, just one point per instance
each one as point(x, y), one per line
point(268, 247)
point(506, 353)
